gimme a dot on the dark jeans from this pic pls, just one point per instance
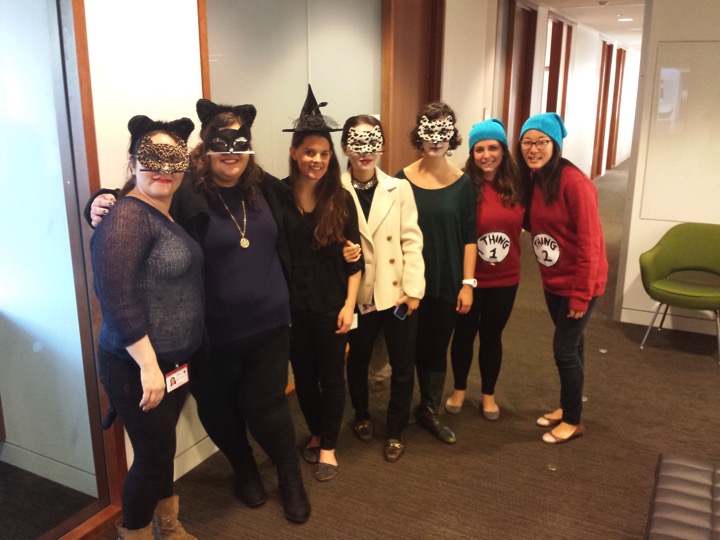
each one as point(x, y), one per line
point(569, 351)
point(241, 386)
point(317, 355)
point(488, 316)
point(436, 321)
point(400, 336)
point(151, 433)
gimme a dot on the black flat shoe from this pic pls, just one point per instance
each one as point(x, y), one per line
point(326, 471)
point(363, 429)
point(394, 449)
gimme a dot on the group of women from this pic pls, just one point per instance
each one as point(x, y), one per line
point(431, 252)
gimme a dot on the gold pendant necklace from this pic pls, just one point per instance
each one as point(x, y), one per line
point(244, 242)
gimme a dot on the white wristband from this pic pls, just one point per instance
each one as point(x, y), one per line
point(471, 282)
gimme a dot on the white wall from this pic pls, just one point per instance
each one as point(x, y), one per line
point(265, 53)
point(469, 65)
point(42, 383)
point(145, 59)
point(666, 21)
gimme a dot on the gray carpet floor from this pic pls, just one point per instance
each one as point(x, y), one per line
point(500, 481)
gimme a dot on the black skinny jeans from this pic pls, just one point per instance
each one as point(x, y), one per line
point(569, 351)
point(317, 355)
point(436, 321)
point(152, 434)
point(400, 336)
point(241, 386)
point(488, 316)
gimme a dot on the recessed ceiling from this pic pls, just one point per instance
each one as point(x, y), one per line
point(605, 18)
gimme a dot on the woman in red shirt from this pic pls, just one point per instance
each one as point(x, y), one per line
point(569, 246)
point(499, 217)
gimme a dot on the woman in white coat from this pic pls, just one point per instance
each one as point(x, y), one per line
point(391, 286)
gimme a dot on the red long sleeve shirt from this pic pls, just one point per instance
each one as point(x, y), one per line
point(498, 229)
point(568, 240)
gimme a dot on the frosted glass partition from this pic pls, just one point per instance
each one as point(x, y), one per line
point(682, 175)
point(42, 382)
point(265, 53)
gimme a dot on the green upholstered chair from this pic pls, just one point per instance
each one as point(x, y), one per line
point(693, 250)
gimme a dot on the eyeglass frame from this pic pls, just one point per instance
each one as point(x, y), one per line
point(540, 145)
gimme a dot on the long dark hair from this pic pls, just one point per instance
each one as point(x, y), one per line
point(331, 208)
point(507, 182)
point(548, 176)
point(200, 163)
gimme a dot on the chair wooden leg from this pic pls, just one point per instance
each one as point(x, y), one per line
point(717, 323)
point(652, 322)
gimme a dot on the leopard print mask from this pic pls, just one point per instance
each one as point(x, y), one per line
point(365, 142)
point(229, 141)
point(163, 158)
point(436, 131)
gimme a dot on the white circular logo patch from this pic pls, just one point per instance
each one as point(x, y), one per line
point(493, 247)
point(547, 251)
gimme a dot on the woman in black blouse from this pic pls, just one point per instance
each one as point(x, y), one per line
point(320, 217)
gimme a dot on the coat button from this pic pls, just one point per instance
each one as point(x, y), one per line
point(392, 261)
point(395, 283)
point(389, 238)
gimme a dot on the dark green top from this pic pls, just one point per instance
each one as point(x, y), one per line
point(447, 220)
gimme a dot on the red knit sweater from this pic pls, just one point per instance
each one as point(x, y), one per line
point(568, 240)
point(498, 229)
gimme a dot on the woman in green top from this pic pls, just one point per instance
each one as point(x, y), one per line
point(445, 200)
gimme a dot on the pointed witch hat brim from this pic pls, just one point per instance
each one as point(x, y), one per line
point(310, 117)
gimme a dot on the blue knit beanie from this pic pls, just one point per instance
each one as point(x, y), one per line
point(550, 124)
point(489, 129)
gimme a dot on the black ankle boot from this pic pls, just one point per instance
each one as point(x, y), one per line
point(431, 422)
point(426, 413)
point(292, 493)
point(248, 485)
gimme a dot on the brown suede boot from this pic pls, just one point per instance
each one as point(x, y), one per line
point(165, 522)
point(146, 533)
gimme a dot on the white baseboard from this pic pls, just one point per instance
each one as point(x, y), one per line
point(60, 473)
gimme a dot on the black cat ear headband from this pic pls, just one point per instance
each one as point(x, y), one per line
point(163, 158)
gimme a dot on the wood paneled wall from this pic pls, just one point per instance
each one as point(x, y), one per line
point(412, 42)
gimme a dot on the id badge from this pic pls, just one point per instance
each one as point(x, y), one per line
point(176, 378)
point(367, 308)
point(354, 324)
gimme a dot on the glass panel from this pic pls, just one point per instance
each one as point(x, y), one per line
point(46, 455)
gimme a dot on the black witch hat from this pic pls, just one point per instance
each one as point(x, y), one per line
point(311, 119)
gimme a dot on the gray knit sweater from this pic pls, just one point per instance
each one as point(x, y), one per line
point(148, 277)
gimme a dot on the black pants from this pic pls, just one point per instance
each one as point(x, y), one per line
point(152, 435)
point(569, 351)
point(241, 386)
point(400, 336)
point(436, 321)
point(488, 316)
point(317, 355)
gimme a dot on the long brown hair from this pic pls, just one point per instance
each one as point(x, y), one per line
point(331, 208)
point(507, 182)
point(200, 163)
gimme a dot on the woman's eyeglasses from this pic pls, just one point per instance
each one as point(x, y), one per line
point(541, 144)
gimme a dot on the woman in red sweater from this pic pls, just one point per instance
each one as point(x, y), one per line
point(569, 246)
point(499, 217)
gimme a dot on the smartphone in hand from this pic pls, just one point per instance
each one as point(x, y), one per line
point(401, 311)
